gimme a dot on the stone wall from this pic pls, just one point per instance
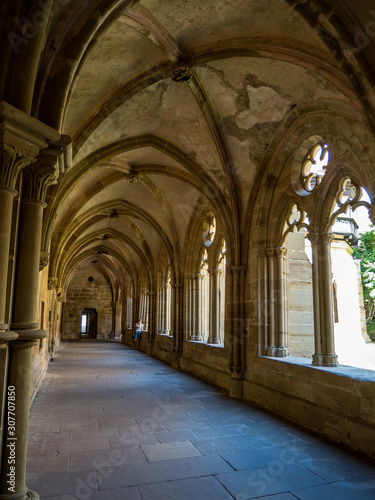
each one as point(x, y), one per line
point(49, 318)
point(81, 294)
point(299, 297)
point(208, 362)
point(336, 402)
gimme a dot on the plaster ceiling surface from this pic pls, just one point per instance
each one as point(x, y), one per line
point(166, 109)
point(150, 156)
point(135, 194)
point(78, 190)
point(181, 200)
point(121, 53)
point(251, 62)
point(128, 227)
point(198, 23)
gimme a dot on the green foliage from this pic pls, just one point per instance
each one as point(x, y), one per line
point(365, 252)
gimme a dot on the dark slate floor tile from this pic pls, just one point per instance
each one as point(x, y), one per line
point(186, 489)
point(362, 488)
point(166, 470)
point(276, 478)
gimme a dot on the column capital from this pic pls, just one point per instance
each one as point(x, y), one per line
point(11, 163)
point(325, 238)
point(52, 283)
point(44, 259)
point(215, 272)
point(198, 276)
point(22, 137)
point(271, 252)
point(237, 270)
point(281, 252)
point(38, 176)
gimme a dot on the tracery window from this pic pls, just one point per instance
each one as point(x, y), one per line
point(209, 229)
point(309, 165)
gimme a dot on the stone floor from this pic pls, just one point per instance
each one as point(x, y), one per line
point(110, 423)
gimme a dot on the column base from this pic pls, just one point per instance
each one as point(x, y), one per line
point(23, 495)
point(176, 360)
point(29, 334)
point(212, 340)
point(150, 347)
point(236, 386)
point(282, 352)
point(271, 351)
point(325, 360)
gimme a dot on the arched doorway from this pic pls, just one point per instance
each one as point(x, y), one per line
point(89, 321)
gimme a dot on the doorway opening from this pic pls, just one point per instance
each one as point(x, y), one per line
point(89, 319)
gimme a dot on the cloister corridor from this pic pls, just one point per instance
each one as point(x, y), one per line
point(111, 423)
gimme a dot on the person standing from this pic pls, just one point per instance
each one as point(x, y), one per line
point(138, 333)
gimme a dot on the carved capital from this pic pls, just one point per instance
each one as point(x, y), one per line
point(281, 252)
point(12, 161)
point(215, 272)
point(44, 259)
point(321, 238)
point(150, 293)
point(37, 178)
point(237, 270)
point(271, 252)
point(198, 276)
point(327, 238)
point(182, 73)
point(53, 283)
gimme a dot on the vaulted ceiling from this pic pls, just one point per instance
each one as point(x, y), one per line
point(171, 106)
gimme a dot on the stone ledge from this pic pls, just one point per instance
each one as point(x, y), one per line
point(200, 344)
point(360, 374)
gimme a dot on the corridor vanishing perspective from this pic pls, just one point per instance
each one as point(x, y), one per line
point(198, 166)
point(110, 423)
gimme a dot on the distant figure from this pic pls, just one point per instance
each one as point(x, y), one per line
point(138, 332)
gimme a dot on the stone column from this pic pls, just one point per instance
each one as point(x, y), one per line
point(118, 317)
point(112, 333)
point(166, 310)
point(151, 320)
point(198, 308)
point(196, 302)
point(162, 308)
point(177, 316)
point(282, 348)
point(11, 164)
point(236, 306)
point(192, 316)
point(322, 295)
point(124, 322)
point(262, 302)
point(36, 179)
point(271, 345)
point(214, 334)
point(135, 310)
